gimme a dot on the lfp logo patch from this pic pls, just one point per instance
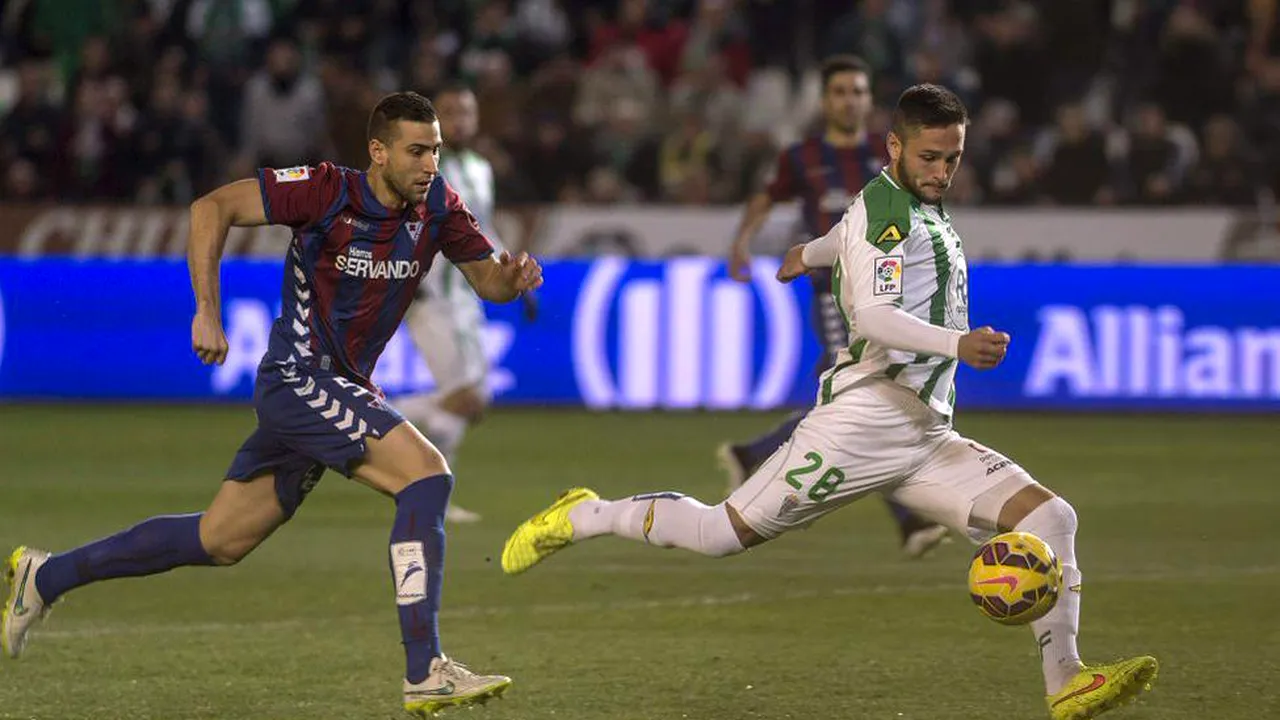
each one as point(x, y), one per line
point(293, 174)
point(888, 275)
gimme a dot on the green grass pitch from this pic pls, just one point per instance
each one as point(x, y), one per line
point(1179, 545)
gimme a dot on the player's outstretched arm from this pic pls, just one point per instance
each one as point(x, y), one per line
point(756, 212)
point(502, 278)
point(236, 204)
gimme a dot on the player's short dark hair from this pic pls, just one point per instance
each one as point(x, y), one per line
point(837, 64)
point(927, 106)
point(399, 106)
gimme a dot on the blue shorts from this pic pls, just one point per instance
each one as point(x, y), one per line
point(308, 419)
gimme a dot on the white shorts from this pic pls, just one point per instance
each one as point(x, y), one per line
point(876, 437)
point(446, 325)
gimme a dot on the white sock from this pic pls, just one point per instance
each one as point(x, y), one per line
point(443, 428)
point(661, 519)
point(1055, 523)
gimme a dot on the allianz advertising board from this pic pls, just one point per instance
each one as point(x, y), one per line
point(616, 333)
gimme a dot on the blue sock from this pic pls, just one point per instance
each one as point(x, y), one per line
point(417, 569)
point(152, 546)
point(759, 450)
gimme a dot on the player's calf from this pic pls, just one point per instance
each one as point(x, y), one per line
point(664, 519)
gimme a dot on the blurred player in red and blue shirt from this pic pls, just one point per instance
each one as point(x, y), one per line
point(825, 171)
point(362, 241)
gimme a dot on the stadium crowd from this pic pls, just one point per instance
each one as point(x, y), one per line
point(1090, 102)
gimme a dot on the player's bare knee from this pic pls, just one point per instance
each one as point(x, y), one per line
point(745, 535)
point(1021, 504)
point(398, 459)
point(226, 554)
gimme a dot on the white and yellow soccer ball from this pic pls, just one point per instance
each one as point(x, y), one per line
point(1015, 578)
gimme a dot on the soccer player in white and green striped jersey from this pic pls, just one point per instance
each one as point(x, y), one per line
point(447, 319)
point(882, 423)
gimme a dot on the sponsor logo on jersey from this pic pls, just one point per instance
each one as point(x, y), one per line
point(293, 174)
point(360, 263)
point(891, 234)
point(888, 275)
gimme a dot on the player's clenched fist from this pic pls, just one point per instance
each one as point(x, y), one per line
point(792, 264)
point(983, 348)
point(207, 338)
point(521, 271)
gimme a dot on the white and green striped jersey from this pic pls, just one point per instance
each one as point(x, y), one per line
point(472, 177)
point(895, 250)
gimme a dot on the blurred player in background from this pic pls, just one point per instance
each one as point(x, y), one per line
point(883, 422)
point(825, 171)
point(447, 318)
point(362, 242)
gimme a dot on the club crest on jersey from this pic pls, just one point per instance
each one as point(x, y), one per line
point(888, 275)
point(293, 174)
point(414, 229)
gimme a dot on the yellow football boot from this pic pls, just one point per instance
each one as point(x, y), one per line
point(1095, 690)
point(543, 534)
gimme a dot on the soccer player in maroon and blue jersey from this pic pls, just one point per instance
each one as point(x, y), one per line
point(362, 241)
point(825, 171)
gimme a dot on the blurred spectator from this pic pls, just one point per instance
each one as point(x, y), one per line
point(493, 41)
point(868, 28)
point(62, 28)
point(658, 39)
point(350, 100)
point(543, 28)
point(94, 146)
point(627, 146)
point(500, 97)
point(1074, 157)
point(682, 100)
point(200, 145)
point(427, 71)
point(1226, 174)
point(553, 163)
point(29, 131)
point(620, 75)
point(1193, 81)
point(284, 112)
point(1015, 179)
point(688, 158)
point(714, 95)
point(1263, 117)
point(716, 38)
point(1011, 62)
point(156, 155)
point(21, 183)
point(1157, 157)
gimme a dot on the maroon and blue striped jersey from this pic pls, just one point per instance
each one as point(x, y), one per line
point(825, 178)
point(353, 265)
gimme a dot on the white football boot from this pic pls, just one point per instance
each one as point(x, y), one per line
point(450, 684)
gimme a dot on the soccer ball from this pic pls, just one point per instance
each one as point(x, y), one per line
point(1014, 578)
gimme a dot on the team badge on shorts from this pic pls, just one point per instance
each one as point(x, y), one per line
point(888, 275)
